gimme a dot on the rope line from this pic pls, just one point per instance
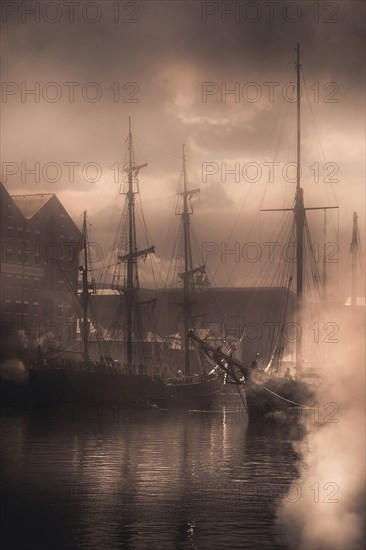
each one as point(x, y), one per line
point(288, 400)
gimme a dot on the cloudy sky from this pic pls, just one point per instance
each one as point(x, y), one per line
point(171, 66)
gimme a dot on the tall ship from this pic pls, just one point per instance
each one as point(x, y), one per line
point(132, 364)
point(283, 380)
point(195, 384)
point(126, 376)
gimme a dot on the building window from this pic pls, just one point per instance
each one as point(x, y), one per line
point(35, 308)
point(19, 281)
point(25, 308)
point(7, 306)
point(36, 283)
point(18, 309)
point(59, 310)
point(26, 282)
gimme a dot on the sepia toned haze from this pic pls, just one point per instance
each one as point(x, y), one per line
point(163, 53)
point(187, 72)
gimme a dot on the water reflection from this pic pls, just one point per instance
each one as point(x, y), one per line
point(157, 479)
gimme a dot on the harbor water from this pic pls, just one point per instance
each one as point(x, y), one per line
point(143, 479)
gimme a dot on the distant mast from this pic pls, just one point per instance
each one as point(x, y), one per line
point(299, 221)
point(85, 295)
point(189, 271)
point(324, 279)
point(354, 253)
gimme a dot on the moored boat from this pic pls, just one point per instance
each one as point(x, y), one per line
point(105, 379)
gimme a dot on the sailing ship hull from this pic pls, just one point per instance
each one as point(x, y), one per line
point(195, 395)
point(276, 394)
point(63, 384)
point(52, 384)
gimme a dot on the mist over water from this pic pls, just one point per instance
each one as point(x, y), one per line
point(329, 512)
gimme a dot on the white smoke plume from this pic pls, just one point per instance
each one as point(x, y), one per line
point(329, 513)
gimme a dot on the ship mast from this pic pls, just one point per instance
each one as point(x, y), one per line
point(299, 212)
point(130, 294)
point(187, 268)
point(85, 295)
point(299, 217)
point(189, 272)
point(132, 281)
point(324, 281)
point(354, 253)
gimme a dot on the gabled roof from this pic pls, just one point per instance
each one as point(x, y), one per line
point(29, 205)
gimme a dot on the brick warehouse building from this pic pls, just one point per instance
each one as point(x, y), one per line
point(39, 270)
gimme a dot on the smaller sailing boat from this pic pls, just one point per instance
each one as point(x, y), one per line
point(274, 387)
point(188, 389)
point(270, 389)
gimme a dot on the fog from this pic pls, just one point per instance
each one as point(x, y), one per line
point(325, 506)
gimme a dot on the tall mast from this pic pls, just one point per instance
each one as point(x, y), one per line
point(188, 274)
point(325, 256)
point(132, 254)
point(299, 221)
point(187, 268)
point(299, 216)
point(85, 295)
point(354, 253)
point(131, 249)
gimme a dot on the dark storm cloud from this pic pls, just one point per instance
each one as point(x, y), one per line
point(170, 32)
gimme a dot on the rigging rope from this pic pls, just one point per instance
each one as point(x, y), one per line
point(285, 399)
